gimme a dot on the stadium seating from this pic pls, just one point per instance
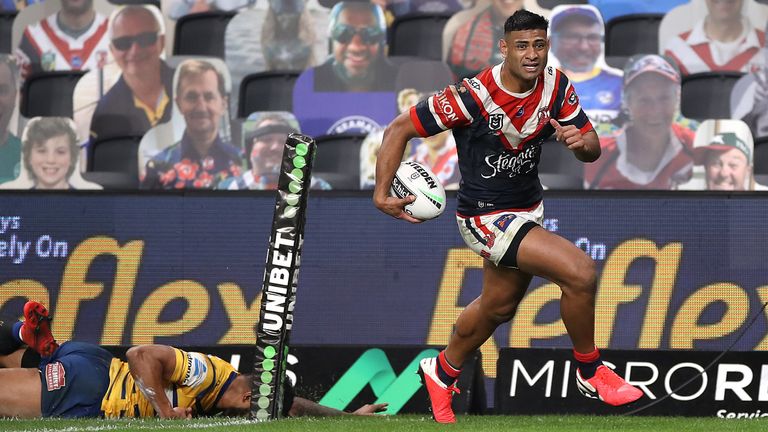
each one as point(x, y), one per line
point(550, 4)
point(112, 180)
point(418, 35)
point(155, 3)
point(707, 95)
point(201, 34)
point(49, 94)
point(338, 160)
point(561, 181)
point(116, 154)
point(557, 159)
point(761, 157)
point(266, 91)
point(617, 61)
point(628, 35)
point(6, 30)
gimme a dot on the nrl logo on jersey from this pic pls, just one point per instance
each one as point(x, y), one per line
point(495, 121)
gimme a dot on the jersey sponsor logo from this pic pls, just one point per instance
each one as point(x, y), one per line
point(495, 121)
point(446, 107)
point(55, 376)
point(197, 369)
point(474, 83)
point(520, 112)
point(503, 222)
point(509, 164)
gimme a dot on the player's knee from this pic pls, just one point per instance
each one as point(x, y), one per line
point(500, 314)
point(583, 279)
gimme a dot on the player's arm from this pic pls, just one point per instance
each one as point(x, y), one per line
point(152, 367)
point(586, 146)
point(305, 407)
point(396, 136)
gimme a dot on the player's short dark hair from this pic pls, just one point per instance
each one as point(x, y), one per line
point(525, 20)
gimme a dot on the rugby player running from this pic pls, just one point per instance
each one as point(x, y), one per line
point(499, 119)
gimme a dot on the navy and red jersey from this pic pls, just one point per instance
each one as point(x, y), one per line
point(499, 134)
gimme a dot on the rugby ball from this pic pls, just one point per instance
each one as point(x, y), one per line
point(413, 178)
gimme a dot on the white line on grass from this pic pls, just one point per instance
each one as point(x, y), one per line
point(140, 425)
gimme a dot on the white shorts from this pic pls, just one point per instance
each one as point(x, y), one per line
point(492, 235)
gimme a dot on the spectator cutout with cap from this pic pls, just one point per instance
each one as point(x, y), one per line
point(723, 154)
point(577, 33)
point(264, 136)
point(653, 148)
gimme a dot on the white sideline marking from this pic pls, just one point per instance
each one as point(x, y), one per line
point(139, 425)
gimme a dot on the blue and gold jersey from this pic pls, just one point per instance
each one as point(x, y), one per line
point(198, 381)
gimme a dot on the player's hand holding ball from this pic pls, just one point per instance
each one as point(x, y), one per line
point(413, 179)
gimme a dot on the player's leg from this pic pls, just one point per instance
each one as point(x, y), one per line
point(556, 259)
point(503, 289)
point(13, 352)
point(36, 329)
point(20, 394)
point(13, 359)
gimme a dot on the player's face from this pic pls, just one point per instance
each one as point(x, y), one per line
point(136, 43)
point(724, 9)
point(267, 154)
point(726, 170)
point(76, 6)
point(578, 45)
point(652, 101)
point(505, 8)
point(7, 97)
point(525, 53)
point(200, 103)
point(356, 41)
point(50, 161)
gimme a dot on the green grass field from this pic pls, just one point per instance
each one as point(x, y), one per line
point(399, 423)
